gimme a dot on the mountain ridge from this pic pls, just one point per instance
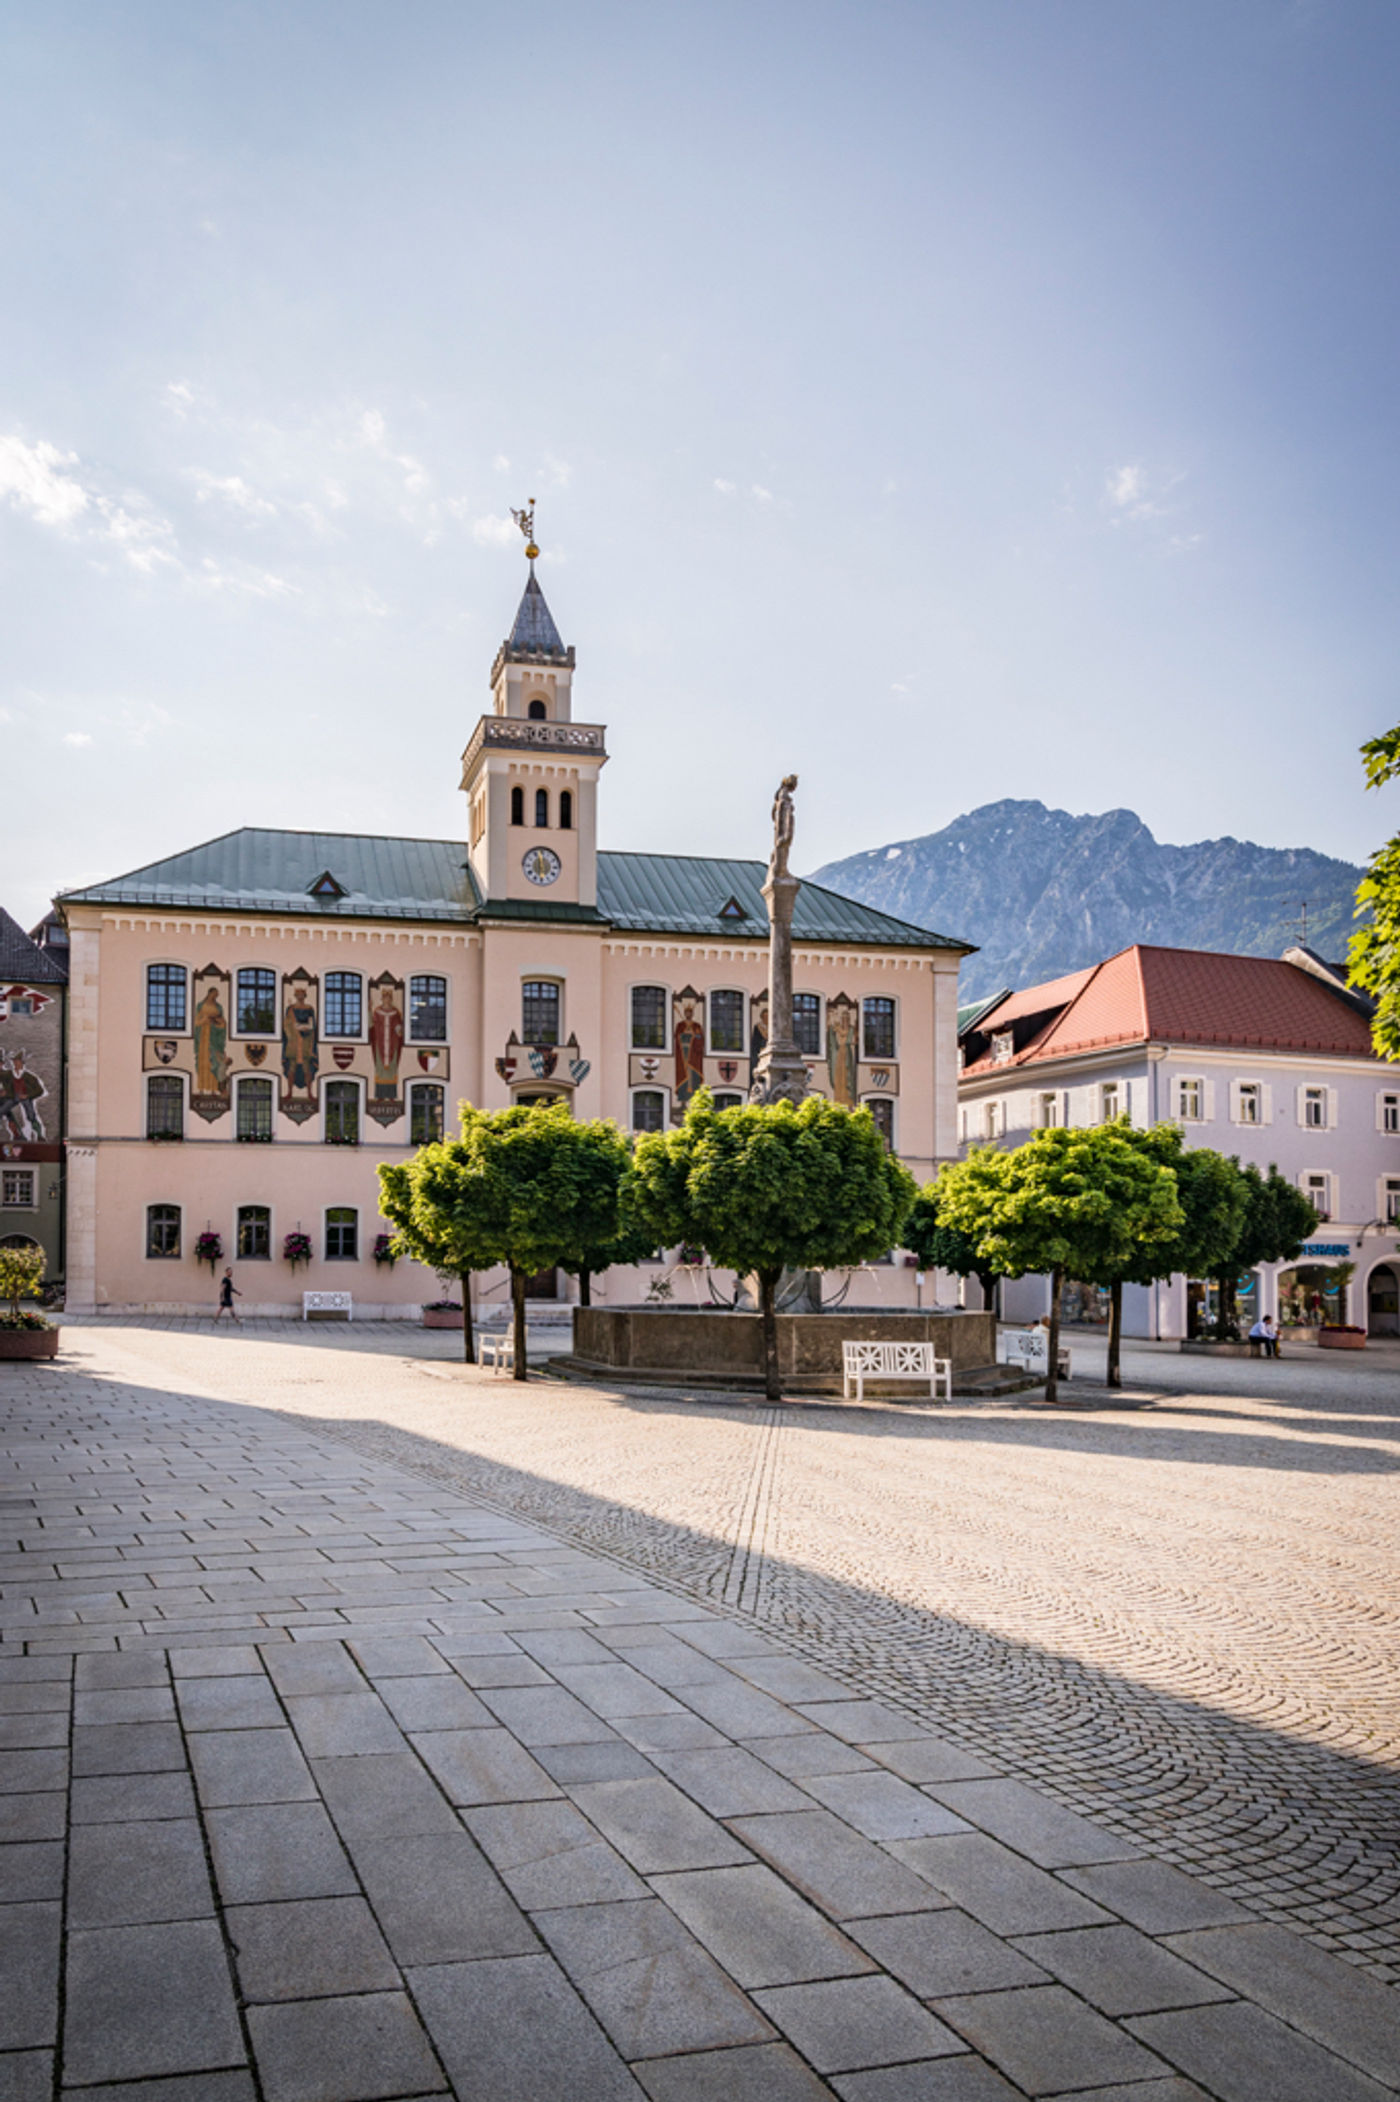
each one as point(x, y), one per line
point(1043, 892)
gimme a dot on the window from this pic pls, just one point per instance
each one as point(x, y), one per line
point(993, 1122)
point(648, 1110)
point(729, 1101)
point(257, 1003)
point(163, 1230)
point(254, 1119)
point(165, 1106)
point(424, 1114)
point(1003, 1047)
point(1315, 1108)
point(17, 1190)
point(1389, 1113)
point(1251, 1100)
point(254, 1238)
point(165, 996)
point(342, 1234)
point(962, 1126)
point(1110, 1101)
point(648, 1018)
point(882, 1110)
point(1049, 1112)
point(1317, 1190)
point(542, 809)
point(878, 1028)
point(539, 1011)
point(726, 1021)
point(342, 1112)
point(343, 1003)
point(807, 1023)
point(517, 806)
point(566, 810)
point(427, 1010)
point(538, 712)
point(1390, 1210)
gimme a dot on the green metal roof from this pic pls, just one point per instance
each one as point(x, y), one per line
point(254, 870)
point(975, 1011)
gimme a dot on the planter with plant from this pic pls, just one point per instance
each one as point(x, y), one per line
point(384, 1250)
point(24, 1333)
point(209, 1248)
point(442, 1313)
point(1341, 1335)
point(296, 1248)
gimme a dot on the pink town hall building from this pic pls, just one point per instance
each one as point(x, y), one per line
point(257, 1023)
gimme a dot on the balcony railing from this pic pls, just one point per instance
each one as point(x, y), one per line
point(512, 733)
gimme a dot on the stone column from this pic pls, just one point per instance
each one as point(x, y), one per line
point(780, 1074)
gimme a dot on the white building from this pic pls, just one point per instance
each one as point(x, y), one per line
point(1269, 1061)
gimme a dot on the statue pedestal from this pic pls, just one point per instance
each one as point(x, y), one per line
point(780, 1072)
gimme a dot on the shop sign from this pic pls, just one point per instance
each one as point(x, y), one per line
point(1327, 1248)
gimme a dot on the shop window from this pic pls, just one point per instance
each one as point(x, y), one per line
point(165, 996)
point(427, 1010)
point(566, 810)
point(807, 1024)
point(648, 1110)
point(425, 1114)
point(344, 1003)
point(877, 1028)
point(726, 1021)
point(342, 1234)
point(17, 1187)
point(539, 1011)
point(163, 1230)
point(1310, 1296)
point(257, 1003)
point(165, 1106)
point(254, 1238)
point(649, 1017)
point(253, 1122)
point(541, 809)
point(517, 806)
point(882, 1111)
point(342, 1113)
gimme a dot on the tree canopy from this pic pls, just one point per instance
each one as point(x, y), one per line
point(1374, 953)
point(938, 1246)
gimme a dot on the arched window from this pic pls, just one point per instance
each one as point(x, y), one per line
point(566, 810)
point(542, 809)
point(538, 712)
point(343, 1003)
point(165, 996)
point(165, 1106)
point(424, 1113)
point(342, 1234)
point(648, 1110)
point(517, 806)
point(539, 1011)
point(163, 1230)
point(254, 1241)
point(254, 1119)
point(649, 1004)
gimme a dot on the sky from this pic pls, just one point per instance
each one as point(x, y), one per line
point(942, 401)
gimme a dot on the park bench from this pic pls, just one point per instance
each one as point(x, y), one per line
point(327, 1306)
point(863, 1361)
point(498, 1352)
point(1030, 1348)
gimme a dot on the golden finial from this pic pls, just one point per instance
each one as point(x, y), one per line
point(526, 521)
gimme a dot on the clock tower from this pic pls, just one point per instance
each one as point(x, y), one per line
point(530, 772)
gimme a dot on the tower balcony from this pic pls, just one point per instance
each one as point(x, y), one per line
point(507, 733)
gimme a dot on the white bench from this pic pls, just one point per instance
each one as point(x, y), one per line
point(863, 1361)
point(1030, 1348)
point(498, 1352)
point(333, 1303)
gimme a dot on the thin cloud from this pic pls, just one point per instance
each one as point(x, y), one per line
point(233, 490)
point(76, 738)
point(492, 531)
point(39, 479)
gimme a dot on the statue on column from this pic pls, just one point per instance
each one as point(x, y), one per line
point(780, 1072)
point(784, 822)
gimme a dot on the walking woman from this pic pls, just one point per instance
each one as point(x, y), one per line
point(228, 1292)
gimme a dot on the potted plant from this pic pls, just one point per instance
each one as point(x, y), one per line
point(384, 1250)
point(209, 1248)
point(296, 1248)
point(1340, 1335)
point(23, 1333)
point(442, 1313)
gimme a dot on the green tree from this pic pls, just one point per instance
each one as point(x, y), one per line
point(1073, 1202)
point(21, 1275)
point(632, 1243)
point(419, 1199)
point(1375, 949)
point(1278, 1219)
point(937, 1246)
point(763, 1189)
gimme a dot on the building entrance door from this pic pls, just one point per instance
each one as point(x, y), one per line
point(543, 1285)
point(1383, 1301)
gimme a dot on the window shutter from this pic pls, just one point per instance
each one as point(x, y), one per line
point(1266, 1104)
point(1208, 1101)
point(1331, 1109)
point(1300, 1106)
point(1234, 1101)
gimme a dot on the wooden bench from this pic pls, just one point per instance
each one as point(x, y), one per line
point(498, 1352)
point(327, 1306)
point(1030, 1347)
point(863, 1361)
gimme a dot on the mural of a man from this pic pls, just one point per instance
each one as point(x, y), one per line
point(300, 1054)
point(386, 1043)
point(758, 1033)
point(841, 1048)
point(689, 1040)
point(211, 1063)
point(11, 1110)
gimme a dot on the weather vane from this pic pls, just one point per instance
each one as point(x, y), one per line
point(526, 521)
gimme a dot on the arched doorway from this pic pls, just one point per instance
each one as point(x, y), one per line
point(1383, 1300)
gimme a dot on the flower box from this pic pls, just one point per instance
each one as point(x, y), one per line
point(1341, 1338)
point(28, 1343)
point(443, 1315)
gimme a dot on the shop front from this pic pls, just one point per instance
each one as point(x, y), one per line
point(1203, 1305)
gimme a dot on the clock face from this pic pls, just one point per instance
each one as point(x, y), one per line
point(542, 865)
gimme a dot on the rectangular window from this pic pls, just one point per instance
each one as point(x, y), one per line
point(539, 1011)
point(257, 1003)
point(254, 1242)
point(1390, 1112)
point(342, 1113)
point(165, 996)
point(254, 1110)
point(648, 1018)
point(1392, 1200)
point(17, 1190)
point(807, 1023)
point(993, 1120)
point(1317, 1191)
point(726, 1021)
point(1049, 1112)
point(648, 1110)
point(1111, 1102)
point(424, 1114)
point(877, 1028)
point(1315, 1108)
point(1251, 1102)
point(165, 1106)
point(1003, 1047)
point(1188, 1101)
point(163, 1230)
point(343, 1003)
point(882, 1111)
point(427, 1010)
point(729, 1101)
point(342, 1234)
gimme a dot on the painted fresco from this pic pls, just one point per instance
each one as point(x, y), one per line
point(842, 1048)
point(384, 1098)
point(688, 1041)
point(301, 1046)
point(758, 1033)
point(561, 1063)
point(210, 999)
point(21, 1092)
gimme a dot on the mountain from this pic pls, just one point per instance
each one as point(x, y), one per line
point(1042, 892)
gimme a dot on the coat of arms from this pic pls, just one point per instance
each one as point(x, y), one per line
point(255, 1053)
point(343, 1054)
point(165, 1050)
point(430, 1061)
point(506, 1067)
point(650, 1068)
point(879, 1076)
point(579, 1070)
point(729, 1069)
point(543, 1059)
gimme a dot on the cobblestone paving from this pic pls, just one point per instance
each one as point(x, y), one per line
point(411, 1731)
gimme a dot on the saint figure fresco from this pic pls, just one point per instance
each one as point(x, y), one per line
point(689, 1041)
point(842, 1047)
point(758, 1033)
point(20, 1092)
point(301, 1055)
point(386, 1037)
point(210, 1096)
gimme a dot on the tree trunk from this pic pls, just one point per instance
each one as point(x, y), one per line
point(767, 1303)
point(517, 1299)
point(1225, 1323)
point(1114, 1376)
point(1052, 1370)
point(585, 1288)
point(468, 1338)
point(988, 1281)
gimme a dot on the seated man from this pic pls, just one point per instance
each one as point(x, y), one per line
point(1265, 1335)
